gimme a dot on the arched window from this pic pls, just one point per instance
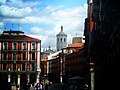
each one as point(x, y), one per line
point(64, 40)
point(61, 39)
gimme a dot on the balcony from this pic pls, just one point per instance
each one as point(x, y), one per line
point(18, 71)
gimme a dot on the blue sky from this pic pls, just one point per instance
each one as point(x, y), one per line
point(42, 19)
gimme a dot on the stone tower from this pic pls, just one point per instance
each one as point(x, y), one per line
point(61, 40)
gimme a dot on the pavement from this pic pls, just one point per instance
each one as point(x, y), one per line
point(32, 88)
point(66, 87)
point(55, 87)
point(61, 87)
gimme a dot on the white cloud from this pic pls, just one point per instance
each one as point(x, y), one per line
point(34, 19)
point(49, 9)
point(1, 25)
point(20, 3)
point(2, 2)
point(36, 31)
point(75, 12)
point(71, 18)
point(12, 12)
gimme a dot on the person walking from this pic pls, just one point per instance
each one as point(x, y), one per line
point(46, 86)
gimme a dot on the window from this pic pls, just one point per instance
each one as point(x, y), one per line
point(14, 46)
point(4, 66)
point(33, 46)
point(24, 56)
point(14, 56)
point(64, 40)
point(58, 39)
point(14, 61)
point(4, 56)
point(33, 56)
point(61, 39)
point(33, 66)
point(23, 66)
point(14, 66)
point(24, 46)
point(5, 44)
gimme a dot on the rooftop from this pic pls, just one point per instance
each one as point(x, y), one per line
point(15, 35)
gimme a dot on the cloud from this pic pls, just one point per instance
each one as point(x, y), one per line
point(71, 18)
point(36, 31)
point(1, 25)
point(71, 12)
point(19, 3)
point(2, 2)
point(34, 19)
point(15, 11)
point(12, 12)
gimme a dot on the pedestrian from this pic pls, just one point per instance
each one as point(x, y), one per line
point(37, 86)
point(46, 86)
point(41, 86)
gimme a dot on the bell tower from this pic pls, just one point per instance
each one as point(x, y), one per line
point(61, 40)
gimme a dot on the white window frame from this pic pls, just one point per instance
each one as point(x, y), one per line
point(5, 47)
point(24, 47)
point(13, 47)
point(33, 46)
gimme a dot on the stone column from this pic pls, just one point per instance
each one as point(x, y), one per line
point(92, 75)
point(18, 81)
point(38, 76)
point(9, 79)
point(28, 78)
point(38, 63)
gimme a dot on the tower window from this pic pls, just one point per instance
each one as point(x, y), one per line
point(58, 39)
point(64, 40)
point(61, 39)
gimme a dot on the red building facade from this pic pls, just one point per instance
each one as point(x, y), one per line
point(20, 58)
point(76, 64)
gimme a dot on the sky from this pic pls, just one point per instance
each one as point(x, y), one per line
point(42, 19)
